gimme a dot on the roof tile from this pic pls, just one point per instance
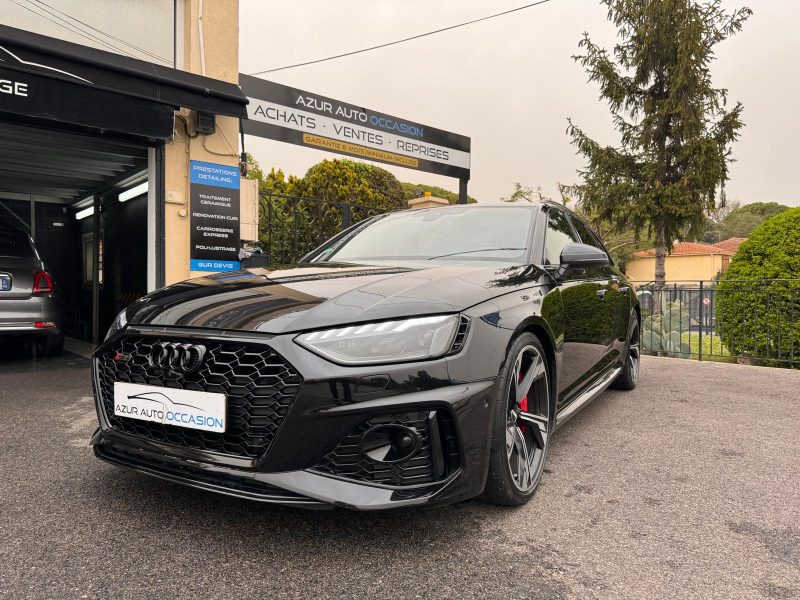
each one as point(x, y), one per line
point(731, 244)
point(689, 249)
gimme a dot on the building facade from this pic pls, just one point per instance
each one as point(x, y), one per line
point(689, 261)
point(101, 137)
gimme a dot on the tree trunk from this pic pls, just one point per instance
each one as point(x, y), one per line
point(661, 254)
point(660, 277)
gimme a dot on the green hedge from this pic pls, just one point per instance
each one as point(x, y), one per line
point(758, 299)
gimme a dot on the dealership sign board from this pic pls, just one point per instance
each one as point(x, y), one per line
point(286, 114)
point(214, 206)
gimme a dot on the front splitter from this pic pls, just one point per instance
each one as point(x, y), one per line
point(304, 489)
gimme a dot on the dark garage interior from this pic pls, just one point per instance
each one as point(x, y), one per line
point(50, 180)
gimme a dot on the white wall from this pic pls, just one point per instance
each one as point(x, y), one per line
point(141, 26)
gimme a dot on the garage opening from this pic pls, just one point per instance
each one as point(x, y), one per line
point(83, 199)
point(82, 134)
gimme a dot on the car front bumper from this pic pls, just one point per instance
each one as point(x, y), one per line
point(333, 402)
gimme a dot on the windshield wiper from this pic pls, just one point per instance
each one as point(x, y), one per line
point(473, 251)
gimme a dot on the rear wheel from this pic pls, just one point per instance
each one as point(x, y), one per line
point(522, 425)
point(52, 345)
point(626, 380)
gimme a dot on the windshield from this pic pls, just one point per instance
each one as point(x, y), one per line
point(467, 234)
point(14, 243)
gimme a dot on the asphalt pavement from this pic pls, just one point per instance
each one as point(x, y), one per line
point(687, 487)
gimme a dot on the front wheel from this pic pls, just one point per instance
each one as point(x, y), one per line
point(522, 425)
point(626, 380)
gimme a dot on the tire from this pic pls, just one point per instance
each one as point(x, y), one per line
point(627, 379)
point(50, 346)
point(522, 424)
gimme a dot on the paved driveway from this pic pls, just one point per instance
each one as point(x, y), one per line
point(688, 487)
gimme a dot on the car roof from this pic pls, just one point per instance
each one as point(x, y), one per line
point(534, 205)
point(474, 206)
point(493, 204)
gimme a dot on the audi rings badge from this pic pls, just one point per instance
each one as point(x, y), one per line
point(178, 357)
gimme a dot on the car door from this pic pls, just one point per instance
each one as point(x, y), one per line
point(615, 309)
point(581, 296)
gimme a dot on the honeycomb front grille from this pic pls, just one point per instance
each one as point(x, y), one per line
point(259, 384)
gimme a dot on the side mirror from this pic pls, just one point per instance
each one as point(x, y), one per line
point(582, 256)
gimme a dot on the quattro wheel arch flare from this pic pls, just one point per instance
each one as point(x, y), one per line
point(545, 336)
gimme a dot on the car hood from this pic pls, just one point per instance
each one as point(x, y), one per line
point(311, 297)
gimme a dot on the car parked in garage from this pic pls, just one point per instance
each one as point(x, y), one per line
point(417, 358)
point(30, 303)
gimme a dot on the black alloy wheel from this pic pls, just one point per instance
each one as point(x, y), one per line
point(522, 425)
point(626, 380)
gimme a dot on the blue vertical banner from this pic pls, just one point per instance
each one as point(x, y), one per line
point(215, 228)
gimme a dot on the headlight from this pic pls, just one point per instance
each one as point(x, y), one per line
point(385, 342)
point(119, 323)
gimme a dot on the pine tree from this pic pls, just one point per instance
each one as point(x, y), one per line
point(675, 128)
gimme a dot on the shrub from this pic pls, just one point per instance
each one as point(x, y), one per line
point(713, 348)
point(758, 299)
point(651, 341)
point(673, 317)
point(663, 331)
point(291, 227)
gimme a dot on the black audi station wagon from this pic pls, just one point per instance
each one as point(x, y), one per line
point(420, 357)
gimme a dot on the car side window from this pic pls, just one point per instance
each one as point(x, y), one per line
point(586, 235)
point(16, 244)
point(589, 237)
point(559, 233)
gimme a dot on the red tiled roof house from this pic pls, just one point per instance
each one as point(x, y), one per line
point(689, 261)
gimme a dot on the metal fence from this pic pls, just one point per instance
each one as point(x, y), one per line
point(744, 321)
point(292, 226)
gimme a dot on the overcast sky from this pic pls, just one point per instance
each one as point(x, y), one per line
point(510, 84)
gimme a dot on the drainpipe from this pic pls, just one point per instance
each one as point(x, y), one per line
point(202, 40)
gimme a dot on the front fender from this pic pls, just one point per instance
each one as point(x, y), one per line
point(497, 322)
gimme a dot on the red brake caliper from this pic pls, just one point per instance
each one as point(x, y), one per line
point(523, 406)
